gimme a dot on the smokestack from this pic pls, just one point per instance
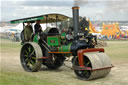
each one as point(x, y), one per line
point(75, 11)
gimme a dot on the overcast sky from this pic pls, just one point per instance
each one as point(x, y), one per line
point(93, 9)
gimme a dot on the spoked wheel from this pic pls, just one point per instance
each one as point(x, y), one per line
point(82, 74)
point(29, 56)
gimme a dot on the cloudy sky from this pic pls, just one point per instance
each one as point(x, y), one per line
point(93, 9)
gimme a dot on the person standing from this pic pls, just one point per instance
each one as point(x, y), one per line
point(28, 31)
point(37, 27)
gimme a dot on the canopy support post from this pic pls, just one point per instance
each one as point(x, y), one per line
point(56, 20)
point(23, 25)
point(46, 20)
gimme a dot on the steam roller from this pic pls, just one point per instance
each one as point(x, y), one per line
point(52, 47)
point(92, 64)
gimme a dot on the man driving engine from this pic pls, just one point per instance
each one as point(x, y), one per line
point(37, 27)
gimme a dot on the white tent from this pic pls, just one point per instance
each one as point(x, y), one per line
point(3, 29)
point(18, 27)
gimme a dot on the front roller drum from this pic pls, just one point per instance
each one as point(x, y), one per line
point(96, 65)
point(30, 57)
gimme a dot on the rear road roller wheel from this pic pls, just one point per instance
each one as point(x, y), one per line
point(29, 57)
point(82, 74)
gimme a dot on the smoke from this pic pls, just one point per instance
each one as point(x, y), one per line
point(80, 2)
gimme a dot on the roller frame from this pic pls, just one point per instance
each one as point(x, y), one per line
point(80, 59)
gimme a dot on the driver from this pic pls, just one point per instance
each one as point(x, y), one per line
point(37, 27)
point(28, 32)
point(38, 30)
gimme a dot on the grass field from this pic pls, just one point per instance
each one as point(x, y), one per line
point(117, 50)
point(12, 73)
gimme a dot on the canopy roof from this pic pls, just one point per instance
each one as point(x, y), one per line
point(49, 18)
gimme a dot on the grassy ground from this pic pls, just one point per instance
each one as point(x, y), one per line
point(11, 72)
point(18, 78)
point(117, 50)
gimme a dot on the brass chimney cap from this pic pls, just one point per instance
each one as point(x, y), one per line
point(75, 7)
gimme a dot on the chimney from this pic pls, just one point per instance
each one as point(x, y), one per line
point(75, 11)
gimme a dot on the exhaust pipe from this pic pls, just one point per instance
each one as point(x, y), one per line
point(75, 11)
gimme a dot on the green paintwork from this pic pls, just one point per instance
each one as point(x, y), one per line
point(27, 20)
point(35, 39)
point(65, 48)
point(63, 35)
point(53, 40)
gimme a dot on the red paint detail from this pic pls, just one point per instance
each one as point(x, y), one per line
point(45, 57)
point(102, 68)
point(90, 69)
point(81, 68)
point(61, 52)
point(81, 52)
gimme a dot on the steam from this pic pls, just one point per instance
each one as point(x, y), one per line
point(80, 2)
